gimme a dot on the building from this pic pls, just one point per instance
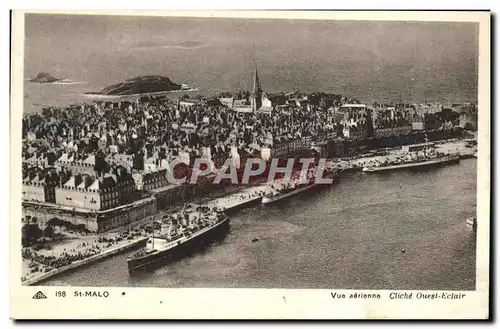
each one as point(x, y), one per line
point(104, 142)
point(155, 179)
point(289, 147)
point(78, 163)
point(96, 221)
point(121, 159)
point(122, 216)
point(403, 129)
point(30, 136)
point(170, 194)
point(468, 120)
point(417, 122)
point(355, 129)
point(327, 135)
point(426, 121)
point(227, 102)
point(150, 180)
point(353, 108)
point(101, 192)
point(188, 104)
point(266, 107)
point(40, 159)
point(38, 186)
point(390, 121)
point(432, 121)
point(257, 101)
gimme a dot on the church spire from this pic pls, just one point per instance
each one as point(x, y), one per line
point(256, 92)
point(256, 83)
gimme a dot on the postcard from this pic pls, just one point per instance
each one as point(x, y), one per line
point(250, 165)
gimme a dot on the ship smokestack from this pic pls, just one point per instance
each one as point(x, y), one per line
point(173, 228)
point(185, 220)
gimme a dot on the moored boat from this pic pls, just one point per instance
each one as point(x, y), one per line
point(432, 161)
point(192, 236)
point(428, 157)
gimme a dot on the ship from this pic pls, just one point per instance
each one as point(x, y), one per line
point(472, 223)
point(193, 234)
point(297, 187)
point(428, 157)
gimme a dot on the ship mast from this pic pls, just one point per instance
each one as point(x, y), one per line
point(153, 244)
point(199, 206)
point(426, 146)
point(183, 213)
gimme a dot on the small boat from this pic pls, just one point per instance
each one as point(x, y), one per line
point(255, 239)
point(472, 222)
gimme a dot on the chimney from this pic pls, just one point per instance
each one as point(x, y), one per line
point(78, 179)
point(61, 178)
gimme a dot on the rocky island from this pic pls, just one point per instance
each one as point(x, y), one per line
point(140, 85)
point(44, 78)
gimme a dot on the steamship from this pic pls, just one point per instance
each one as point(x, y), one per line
point(428, 157)
point(193, 234)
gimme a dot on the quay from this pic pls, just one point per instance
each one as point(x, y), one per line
point(92, 259)
point(229, 203)
point(231, 206)
point(356, 163)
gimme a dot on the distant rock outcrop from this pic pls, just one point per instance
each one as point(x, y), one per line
point(44, 78)
point(140, 85)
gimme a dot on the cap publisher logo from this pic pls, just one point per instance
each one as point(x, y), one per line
point(39, 295)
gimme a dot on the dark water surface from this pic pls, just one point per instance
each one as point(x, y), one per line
point(369, 60)
point(349, 235)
